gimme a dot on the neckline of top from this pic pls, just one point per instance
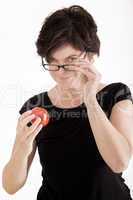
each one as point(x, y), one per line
point(76, 107)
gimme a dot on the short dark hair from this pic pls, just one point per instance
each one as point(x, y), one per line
point(73, 25)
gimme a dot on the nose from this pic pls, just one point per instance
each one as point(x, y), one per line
point(62, 70)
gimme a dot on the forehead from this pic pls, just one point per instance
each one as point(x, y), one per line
point(65, 51)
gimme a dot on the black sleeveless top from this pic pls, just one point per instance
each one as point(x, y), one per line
point(72, 167)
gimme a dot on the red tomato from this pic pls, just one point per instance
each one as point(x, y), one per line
point(42, 113)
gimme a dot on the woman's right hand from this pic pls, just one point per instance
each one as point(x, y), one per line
point(25, 135)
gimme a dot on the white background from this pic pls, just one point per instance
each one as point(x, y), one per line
point(21, 73)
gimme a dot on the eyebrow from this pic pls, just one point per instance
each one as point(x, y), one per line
point(72, 55)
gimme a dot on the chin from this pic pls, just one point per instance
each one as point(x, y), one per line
point(64, 84)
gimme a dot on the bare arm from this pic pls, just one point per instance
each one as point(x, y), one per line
point(16, 170)
point(114, 143)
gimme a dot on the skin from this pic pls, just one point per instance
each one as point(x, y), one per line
point(113, 136)
point(16, 171)
point(114, 140)
point(68, 91)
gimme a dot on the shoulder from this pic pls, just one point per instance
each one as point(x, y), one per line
point(34, 101)
point(112, 93)
point(115, 87)
point(101, 86)
point(121, 91)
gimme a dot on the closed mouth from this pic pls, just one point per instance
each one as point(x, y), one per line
point(66, 77)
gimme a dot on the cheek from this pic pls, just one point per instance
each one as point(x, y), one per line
point(57, 75)
point(53, 75)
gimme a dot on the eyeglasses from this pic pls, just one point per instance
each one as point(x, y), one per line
point(54, 67)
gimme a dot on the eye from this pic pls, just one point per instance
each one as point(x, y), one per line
point(52, 62)
point(72, 59)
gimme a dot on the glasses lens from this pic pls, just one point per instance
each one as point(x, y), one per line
point(51, 67)
point(69, 67)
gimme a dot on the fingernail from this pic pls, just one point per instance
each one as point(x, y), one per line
point(29, 111)
point(41, 125)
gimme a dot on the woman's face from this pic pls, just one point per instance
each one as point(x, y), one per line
point(66, 54)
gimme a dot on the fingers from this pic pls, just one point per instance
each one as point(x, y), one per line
point(32, 136)
point(82, 64)
point(35, 124)
point(83, 61)
point(25, 114)
point(31, 129)
point(85, 71)
point(27, 119)
point(86, 66)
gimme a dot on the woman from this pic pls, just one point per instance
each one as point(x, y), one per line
point(88, 142)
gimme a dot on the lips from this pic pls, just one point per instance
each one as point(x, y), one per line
point(65, 77)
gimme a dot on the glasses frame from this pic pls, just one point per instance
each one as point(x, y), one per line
point(59, 66)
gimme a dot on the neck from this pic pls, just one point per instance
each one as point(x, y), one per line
point(68, 93)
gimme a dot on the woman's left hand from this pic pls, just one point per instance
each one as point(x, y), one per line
point(91, 84)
